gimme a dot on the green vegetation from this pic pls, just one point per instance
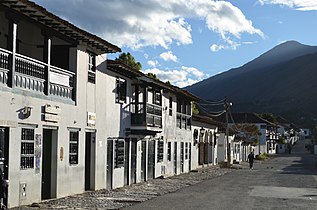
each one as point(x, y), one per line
point(153, 76)
point(194, 108)
point(129, 60)
point(281, 140)
point(249, 132)
point(262, 156)
point(269, 117)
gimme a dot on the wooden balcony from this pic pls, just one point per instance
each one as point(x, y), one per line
point(146, 115)
point(30, 75)
point(183, 121)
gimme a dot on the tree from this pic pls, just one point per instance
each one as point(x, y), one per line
point(152, 76)
point(248, 132)
point(194, 108)
point(269, 117)
point(129, 60)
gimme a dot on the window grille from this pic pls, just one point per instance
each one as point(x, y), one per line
point(169, 151)
point(27, 148)
point(170, 106)
point(91, 68)
point(73, 147)
point(160, 152)
point(121, 90)
point(119, 153)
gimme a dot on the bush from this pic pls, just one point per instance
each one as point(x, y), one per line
point(262, 156)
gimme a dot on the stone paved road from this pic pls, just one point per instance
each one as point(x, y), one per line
point(283, 182)
point(288, 181)
point(129, 195)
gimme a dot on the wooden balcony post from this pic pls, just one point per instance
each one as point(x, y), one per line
point(47, 60)
point(136, 99)
point(13, 27)
point(144, 104)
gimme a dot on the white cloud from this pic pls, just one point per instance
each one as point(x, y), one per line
point(152, 63)
point(168, 56)
point(228, 44)
point(140, 23)
point(304, 5)
point(195, 72)
point(216, 48)
point(180, 77)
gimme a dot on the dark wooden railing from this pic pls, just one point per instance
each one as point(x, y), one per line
point(150, 115)
point(4, 66)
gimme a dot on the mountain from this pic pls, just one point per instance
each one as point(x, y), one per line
point(281, 81)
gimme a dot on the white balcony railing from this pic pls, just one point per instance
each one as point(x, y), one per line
point(30, 74)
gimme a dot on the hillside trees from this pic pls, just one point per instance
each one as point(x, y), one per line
point(129, 60)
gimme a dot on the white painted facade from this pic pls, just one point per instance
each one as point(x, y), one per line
point(205, 143)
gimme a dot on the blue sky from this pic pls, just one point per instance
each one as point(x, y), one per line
point(186, 41)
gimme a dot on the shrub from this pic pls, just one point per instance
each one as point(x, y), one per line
point(262, 156)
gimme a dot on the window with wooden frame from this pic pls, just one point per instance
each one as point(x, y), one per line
point(27, 148)
point(119, 153)
point(186, 150)
point(73, 147)
point(121, 90)
point(170, 106)
point(160, 150)
point(91, 68)
point(169, 151)
point(157, 97)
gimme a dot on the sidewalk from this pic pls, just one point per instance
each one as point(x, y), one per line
point(125, 196)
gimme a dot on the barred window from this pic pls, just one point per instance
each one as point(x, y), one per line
point(27, 148)
point(73, 147)
point(160, 152)
point(119, 149)
point(169, 151)
point(186, 150)
point(121, 90)
point(91, 68)
point(170, 106)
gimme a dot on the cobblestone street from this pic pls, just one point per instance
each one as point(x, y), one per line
point(128, 195)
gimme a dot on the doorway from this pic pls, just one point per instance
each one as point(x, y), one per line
point(109, 163)
point(90, 153)
point(151, 160)
point(143, 161)
point(127, 162)
point(133, 160)
point(49, 164)
point(182, 157)
point(4, 157)
point(190, 157)
point(175, 157)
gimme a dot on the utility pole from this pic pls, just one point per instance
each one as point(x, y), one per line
point(226, 106)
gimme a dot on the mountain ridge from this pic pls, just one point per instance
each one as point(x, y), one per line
point(283, 85)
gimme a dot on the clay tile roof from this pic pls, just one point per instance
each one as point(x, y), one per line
point(121, 68)
point(48, 19)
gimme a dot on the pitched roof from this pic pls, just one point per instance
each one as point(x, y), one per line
point(207, 120)
point(244, 117)
point(47, 19)
point(123, 69)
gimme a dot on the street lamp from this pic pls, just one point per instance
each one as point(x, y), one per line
point(202, 131)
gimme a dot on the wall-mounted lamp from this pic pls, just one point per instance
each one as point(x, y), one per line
point(26, 111)
point(202, 131)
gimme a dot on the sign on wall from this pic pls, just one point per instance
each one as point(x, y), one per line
point(51, 113)
point(91, 119)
